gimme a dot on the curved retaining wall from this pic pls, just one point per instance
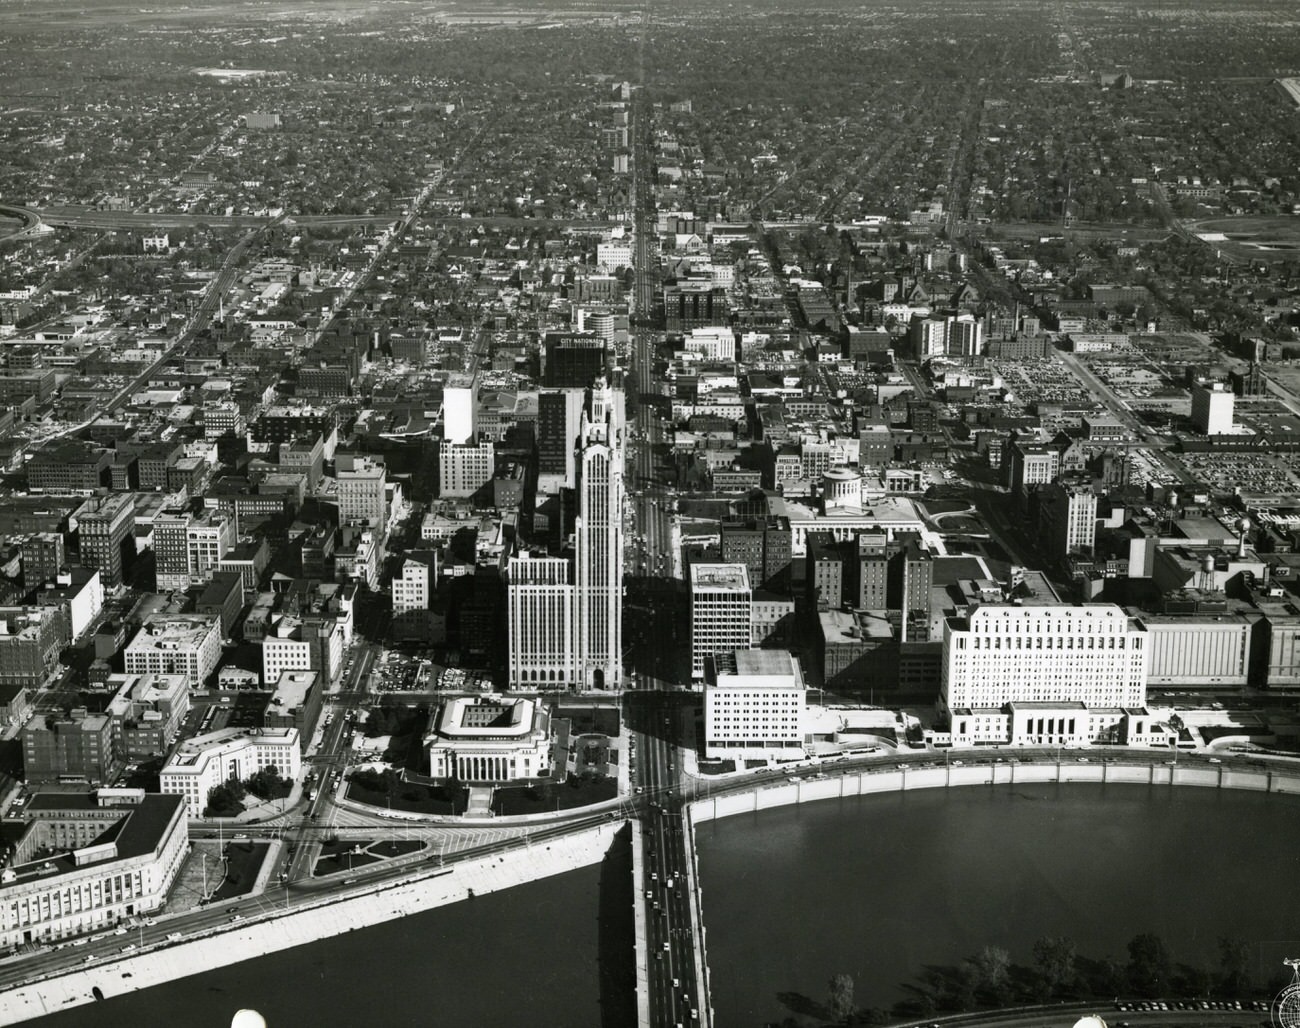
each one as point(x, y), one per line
point(334, 915)
point(865, 783)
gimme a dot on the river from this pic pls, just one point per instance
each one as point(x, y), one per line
point(878, 887)
point(552, 952)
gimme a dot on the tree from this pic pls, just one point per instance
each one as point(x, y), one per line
point(1054, 962)
point(1149, 964)
point(225, 800)
point(842, 1006)
point(992, 970)
point(1234, 965)
point(266, 783)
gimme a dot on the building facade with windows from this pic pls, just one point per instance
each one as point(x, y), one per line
point(362, 484)
point(598, 538)
point(104, 525)
point(721, 611)
point(169, 644)
point(754, 704)
point(85, 862)
point(481, 740)
point(1094, 654)
point(202, 763)
point(464, 468)
point(540, 617)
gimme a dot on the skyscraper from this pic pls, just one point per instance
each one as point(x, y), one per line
point(598, 565)
point(105, 525)
point(541, 623)
point(460, 409)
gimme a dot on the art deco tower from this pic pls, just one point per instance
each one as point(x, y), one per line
point(598, 564)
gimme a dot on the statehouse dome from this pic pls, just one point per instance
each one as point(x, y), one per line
point(1091, 1021)
point(247, 1019)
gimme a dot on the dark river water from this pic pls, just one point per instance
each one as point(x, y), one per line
point(877, 887)
point(880, 887)
point(554, 952)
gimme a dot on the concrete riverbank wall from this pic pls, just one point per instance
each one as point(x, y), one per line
point(641, 942)
point(334, 914)
point(868, 782)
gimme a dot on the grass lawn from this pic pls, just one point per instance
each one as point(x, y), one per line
point(577, 792)
point(243, 862)
point(591, 720)
point(396, 847)
point(717, 767)
point(343, 856)
point(415, 799)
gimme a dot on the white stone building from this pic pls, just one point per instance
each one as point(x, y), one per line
point(176, 644)
point(206, 761)
point(86, 862)
point(1094, 654)
point(754, 706)
point(480, 740)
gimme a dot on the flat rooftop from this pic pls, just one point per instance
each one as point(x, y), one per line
point(720, 577)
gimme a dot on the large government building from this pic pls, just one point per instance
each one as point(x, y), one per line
point(481, 740)
point(1094, 654)
point(85, 861)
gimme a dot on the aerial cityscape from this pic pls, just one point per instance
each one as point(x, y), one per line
point(621, 514)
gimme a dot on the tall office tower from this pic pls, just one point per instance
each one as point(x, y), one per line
point(873, 571)
point(540, 619)
point(464, 468)
point(825, 575)
point(170, 552)
point(573, 360)
point(105, 524)
point(460, 409)
point(362, 490)
point(43, 558)
point(207, 540)
point(762, 544)
point(911, 576)
point(559, 415)
point(598, 607)
point(722, 611)
point(1212, 409)
point(964, 337)
point(1067, 519)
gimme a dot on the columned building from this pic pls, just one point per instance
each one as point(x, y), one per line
point(481, 741)
point(84, 862)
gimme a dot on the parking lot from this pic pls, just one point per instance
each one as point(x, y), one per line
point(395, 671)
point(1261, 472)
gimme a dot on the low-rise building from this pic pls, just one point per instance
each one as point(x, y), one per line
point(295, 703)
point(168, 644)
point(482, 739)
point(85, 862)
point(200, 764)
point(147, 713)
point(754, 704)
point(1058, 724)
